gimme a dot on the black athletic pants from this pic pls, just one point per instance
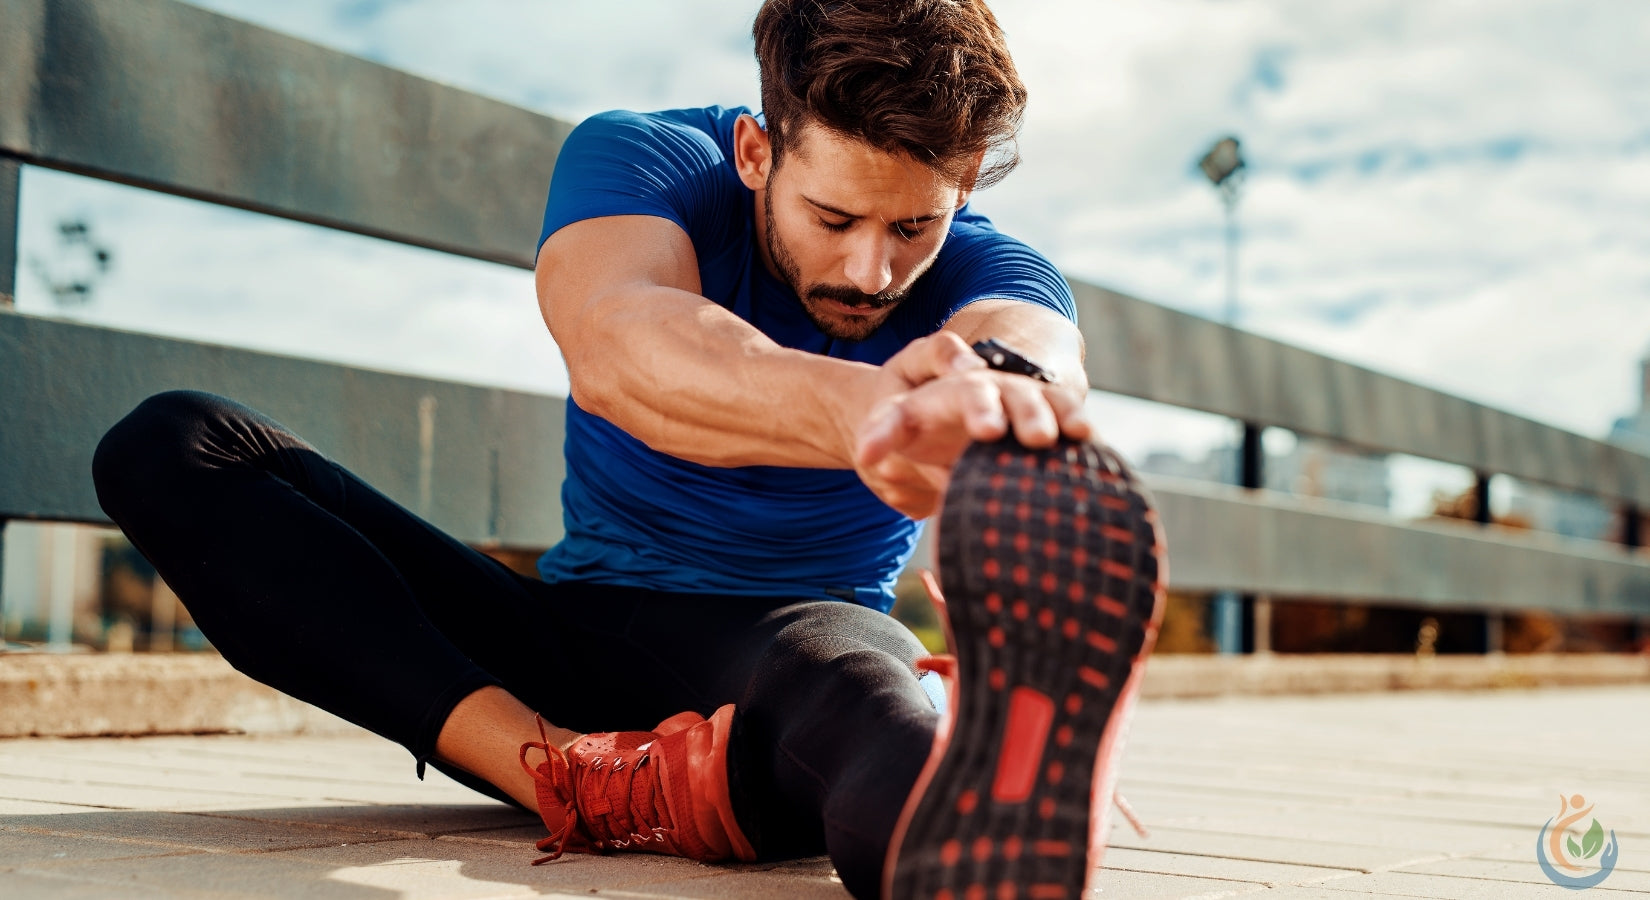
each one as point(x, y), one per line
point(312, 582)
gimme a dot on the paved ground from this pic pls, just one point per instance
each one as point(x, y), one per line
point(1407, 794)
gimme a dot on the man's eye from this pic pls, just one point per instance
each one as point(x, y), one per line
point(909, 232)
point(836, 226)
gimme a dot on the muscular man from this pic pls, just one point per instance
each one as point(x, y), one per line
point(767, 322)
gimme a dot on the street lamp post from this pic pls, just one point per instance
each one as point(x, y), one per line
point(1223, 165)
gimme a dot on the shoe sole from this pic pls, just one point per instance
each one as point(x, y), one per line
point(1051, 561)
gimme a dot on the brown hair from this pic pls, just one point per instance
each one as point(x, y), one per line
point(931, 79)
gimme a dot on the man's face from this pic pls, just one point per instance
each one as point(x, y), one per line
point(850, 228)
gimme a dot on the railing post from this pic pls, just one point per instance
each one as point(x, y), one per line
point(1257, 608)
point(1494, 633)
point(4, 646)
point(1494, 629)
point(11, 174)
point(11, 178)
point(1632, 537)
point(1252, 461)
point(1232, 615)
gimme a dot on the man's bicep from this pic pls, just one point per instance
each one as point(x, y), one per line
point(594, 257)
point(1044, 336)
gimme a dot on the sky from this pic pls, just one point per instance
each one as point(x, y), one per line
point(1456, 193)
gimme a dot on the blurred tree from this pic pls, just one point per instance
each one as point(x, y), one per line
point(81, 261)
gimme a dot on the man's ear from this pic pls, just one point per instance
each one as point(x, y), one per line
point(964, 193)
point(752, 154)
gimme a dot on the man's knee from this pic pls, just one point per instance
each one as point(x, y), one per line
point(832, 647)
point(139, 449)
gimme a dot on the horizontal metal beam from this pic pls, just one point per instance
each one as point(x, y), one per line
point(484, 464)
point(166, 96)
point(1226, 538)
point(1155, 353)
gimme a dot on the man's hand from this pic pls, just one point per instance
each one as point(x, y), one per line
point(936, 397)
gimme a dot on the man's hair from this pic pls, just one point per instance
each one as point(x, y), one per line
point(931, 79)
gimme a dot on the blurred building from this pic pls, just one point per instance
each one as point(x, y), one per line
point(1311, 468)
point(1315, 468)
point(1566, 513)
point(1634, 430)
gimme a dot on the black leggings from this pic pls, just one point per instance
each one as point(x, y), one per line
point(310, 581)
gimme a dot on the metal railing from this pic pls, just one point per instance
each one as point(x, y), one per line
point(164, 96)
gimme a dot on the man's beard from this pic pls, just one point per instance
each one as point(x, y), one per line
point(812, 296)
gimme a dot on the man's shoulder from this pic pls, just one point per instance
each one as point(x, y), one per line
point(707, 128)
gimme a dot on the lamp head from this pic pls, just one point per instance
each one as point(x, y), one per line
point(1222, 161)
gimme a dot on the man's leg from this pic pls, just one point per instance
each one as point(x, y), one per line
point(831, 727)
point(310, 581)
point(834, 720)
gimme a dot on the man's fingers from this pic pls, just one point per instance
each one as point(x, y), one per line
point(1068, 408)
point(886, 430)
point(1034, 423)
point(981, 402)
point(909, 487)
point(935, 356)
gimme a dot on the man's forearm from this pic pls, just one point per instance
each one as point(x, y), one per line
point(691, 379)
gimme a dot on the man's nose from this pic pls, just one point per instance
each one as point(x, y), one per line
point(870, 264)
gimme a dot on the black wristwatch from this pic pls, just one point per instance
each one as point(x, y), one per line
point(1004, 358)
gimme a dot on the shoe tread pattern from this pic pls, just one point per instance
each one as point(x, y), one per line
point(1049, 559)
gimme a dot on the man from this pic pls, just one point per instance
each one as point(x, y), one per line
point(767, 325)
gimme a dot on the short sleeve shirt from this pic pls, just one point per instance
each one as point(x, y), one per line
point(638, 517)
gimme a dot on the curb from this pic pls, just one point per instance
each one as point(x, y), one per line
point(90, 695)
point(1187, 676)
point(87, 695)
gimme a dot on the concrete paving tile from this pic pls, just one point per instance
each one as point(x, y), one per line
point(174, 777)
point(1120, 884)
point(21, 848)
point(575, 873)
point(185, 771)
point(1216, 789)
point(1323, 854)
point(175, 830)
point(1434, 838)
point(741, 884)
point(29, 886)
point(222, 876)
point(1342, 782)
point(1524, 851)
point(524, 835)
point(1524, 870)
point(1535, 808)
point(1156, 804)
point(119, 796)
point(401, 820)
point(1224, 867)
point(1435, 887)
point(359, 873)
point(37, 808)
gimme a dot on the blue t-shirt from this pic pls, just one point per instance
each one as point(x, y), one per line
point(638, 517)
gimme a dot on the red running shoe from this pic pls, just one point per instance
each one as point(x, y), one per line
point(1053, 567)
point(661, 791)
